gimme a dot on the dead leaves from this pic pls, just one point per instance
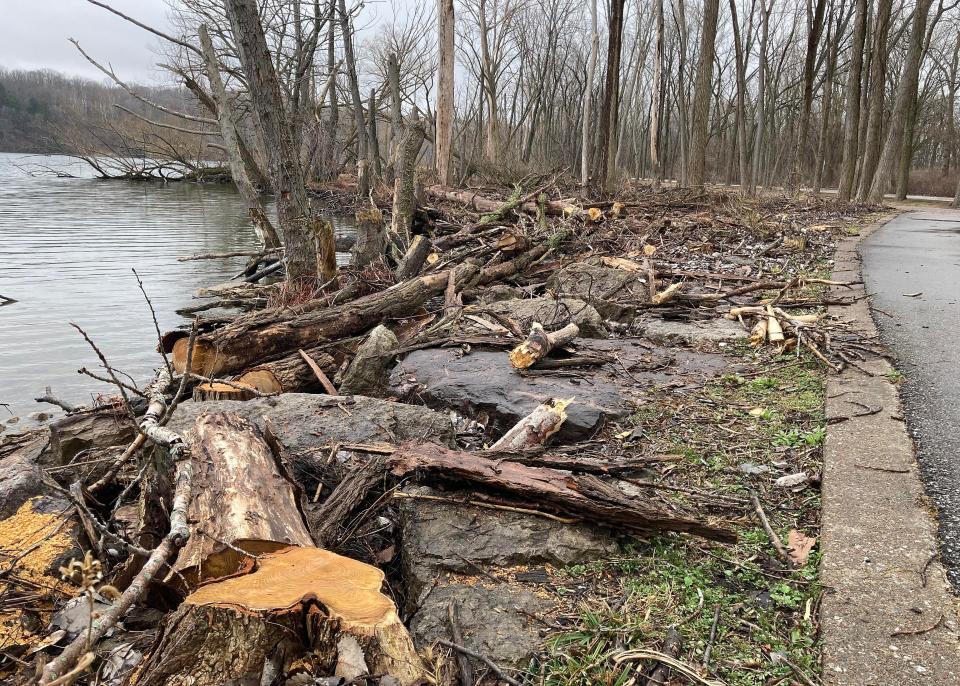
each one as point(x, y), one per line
point(799, 546)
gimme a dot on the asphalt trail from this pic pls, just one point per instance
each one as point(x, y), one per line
point(912, 268)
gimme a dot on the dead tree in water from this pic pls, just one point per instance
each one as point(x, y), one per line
point(309, 242)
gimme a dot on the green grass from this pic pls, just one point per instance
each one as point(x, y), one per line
point(774, 418)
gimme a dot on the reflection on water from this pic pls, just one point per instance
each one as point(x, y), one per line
point(67, 247)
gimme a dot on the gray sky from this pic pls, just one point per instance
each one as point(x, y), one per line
point(34, 33)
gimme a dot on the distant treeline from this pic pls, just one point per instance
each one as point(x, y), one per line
point(44, 111)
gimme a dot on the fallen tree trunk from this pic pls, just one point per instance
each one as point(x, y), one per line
point(584, 497)
point(414, 258)
point(290, 374)
point(244, 501)
point(271, 333)
point(479, 203)
point(293, 609)
point(539, 343)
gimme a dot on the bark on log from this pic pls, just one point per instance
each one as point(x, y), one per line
point(539, 343)
point(536, 428)
point(289, 374)
point(299, 602)
point(582, 496)
point(404, 201)
point(244, 501)
point(271, 333)
point(371, 240)
point(326, 523)
point(484, 205)
point(414, 258)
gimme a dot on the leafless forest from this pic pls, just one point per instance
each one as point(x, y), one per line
point(857, 95)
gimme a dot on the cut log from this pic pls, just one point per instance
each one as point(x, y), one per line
point(215, 390)
point(584, 497)
point(539, 343)
point(486, 205)
point(774, 330)
point(368, 373)
point(536, 428)
point(289, 374)
point(271, 333)
point(299, 602)
point(244, 501)
point(414, 258)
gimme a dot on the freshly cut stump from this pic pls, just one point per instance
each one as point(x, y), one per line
point(235, 390)
point(298, 603)
point(289, 374)
point(243, 501)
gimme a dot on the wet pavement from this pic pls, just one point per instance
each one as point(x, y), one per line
point(912, 268)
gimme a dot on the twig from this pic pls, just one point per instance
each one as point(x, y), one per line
point(175, 538)
point(113, 377)
point(672, 662)
point(797, 672)
point(777, 543)
point(487, 661)
point(156, 325)
point(92, 375)
point(466, 669)
point(50, 398)
point(713, 637)
point(916, 632)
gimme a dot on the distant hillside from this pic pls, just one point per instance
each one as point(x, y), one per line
point(45, 111)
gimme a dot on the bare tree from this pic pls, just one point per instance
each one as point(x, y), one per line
point(444, 127)
point(700, 124)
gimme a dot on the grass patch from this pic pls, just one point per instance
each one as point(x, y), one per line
point(767, 415)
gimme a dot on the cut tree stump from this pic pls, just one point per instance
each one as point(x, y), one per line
point(244, 501)
point(414, 258)
point(539, 343)
point(583, 496)
point(215, 390)
point(293, 608)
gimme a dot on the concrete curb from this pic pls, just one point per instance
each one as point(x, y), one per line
point(888, 615)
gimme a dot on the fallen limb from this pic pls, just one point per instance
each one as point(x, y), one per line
point(485, 205)
point(771, 534)
point(536, 428)
point(539, 343)
point(584, 497)
point(494, 667)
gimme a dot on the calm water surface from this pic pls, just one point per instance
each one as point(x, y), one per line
point(67, 247)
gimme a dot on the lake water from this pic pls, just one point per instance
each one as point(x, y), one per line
point(67, 247)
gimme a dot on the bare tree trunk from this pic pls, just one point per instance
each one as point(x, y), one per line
point(761, 119)
point(906, 93)
point(656, 106)
point(878, 75)
point(741, 68)
point(363, 150)
point(852, 120)
point(814, 29)
point(227, 118)
point(680, 17)
point(444, 133)
point(906, 151)
point(489, 84)
point(331, 162)
point(702, 94)
point(609, 110)
point(586, 131)
point(820, 161)
point(372, 134)
point(302, 235)
point(404, 202)
point(950, 134)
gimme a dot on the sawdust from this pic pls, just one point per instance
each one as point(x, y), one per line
point(41, 534)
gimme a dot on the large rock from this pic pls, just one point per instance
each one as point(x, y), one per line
point(552, 313)
point(439, 536)
point(444, 545)
point(697, 334)
point(20, 456)
point(305, 421)
point(482, 384)
point(99, 429)
point(603, 287)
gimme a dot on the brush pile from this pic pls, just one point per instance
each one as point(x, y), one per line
point(470, 361)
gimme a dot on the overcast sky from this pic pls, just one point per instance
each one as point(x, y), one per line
point(34, 33)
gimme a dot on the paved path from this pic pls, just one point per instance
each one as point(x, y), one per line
point(919, 252)
point(888, 616)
